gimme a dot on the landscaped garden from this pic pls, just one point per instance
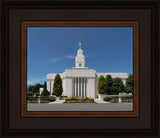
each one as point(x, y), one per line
point(43, 99)
point(114, 99)
point(79, 100)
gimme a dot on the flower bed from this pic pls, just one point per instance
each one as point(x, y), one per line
point(79, 100)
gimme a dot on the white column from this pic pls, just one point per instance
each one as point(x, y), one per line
point(74, 80)
point(81, 87)
point(78, 87)
point(84, 87)
point(75, 86)
point(50, 87)
point(120, 99)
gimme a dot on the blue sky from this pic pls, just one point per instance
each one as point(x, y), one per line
point(52, 49)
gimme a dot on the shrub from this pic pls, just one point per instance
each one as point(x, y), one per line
point(73, 98)
point(111, 99)
point(43, 98)
point(68, 99)
point(79, 100)
point(108, 99)
point(49, 99)
point(117, 86)
point(109, 82)
point(34, 88)
point(29, 93)
point(38, 93)
point(63, 97)
point(102, 85)
point(129, 84)
point(127, 98)
point(57, 86)
point(45, 92)
point(31, 98)
point(85, 98)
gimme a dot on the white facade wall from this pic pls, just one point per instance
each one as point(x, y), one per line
point(64, 87)
point(124, 80)
point(91, 87)
point(48, 85)
point(68, 88)
point(90, 75)
point(52, 82)
point(96, 85)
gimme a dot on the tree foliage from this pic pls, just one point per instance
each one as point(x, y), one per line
point(57, 86)
point(29, 93)
point(102, 85)
point(129, 84)
point(117, 86)
point(109, 82)
point(45, 92)
point(35, 88)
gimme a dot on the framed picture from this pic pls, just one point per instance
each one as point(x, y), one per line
point(80, 83)
point(80, 68)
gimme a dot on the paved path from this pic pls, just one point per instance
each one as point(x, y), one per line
point(81, 107)
point(57, 102)
point(97, 101)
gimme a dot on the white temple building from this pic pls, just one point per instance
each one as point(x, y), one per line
point(80, 81)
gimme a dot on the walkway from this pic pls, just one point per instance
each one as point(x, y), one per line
point(57, 102)
point(97, 101)
point(81, 107)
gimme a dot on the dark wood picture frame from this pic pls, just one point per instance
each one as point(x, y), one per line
point(25, 24)
point(146, 119)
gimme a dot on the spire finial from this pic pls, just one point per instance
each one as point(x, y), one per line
point(80, 45)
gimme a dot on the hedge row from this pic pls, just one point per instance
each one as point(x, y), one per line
point(76, 98)
point(115, 98)
point(50, 99)
point(109, 99)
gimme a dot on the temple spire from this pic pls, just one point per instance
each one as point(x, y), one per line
point(79, 45)
point(80, 58)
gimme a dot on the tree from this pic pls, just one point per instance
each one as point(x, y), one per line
point(102, 85)
point(117, 86)
point(57, 86)
point(38, 93)
point(35, 88)
point(45, 92)
point(109, 82)
point(129, 84)
point(29, 93)
point(29, 88)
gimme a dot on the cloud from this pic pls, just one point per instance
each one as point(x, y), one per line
point(61, 58)
point(34, 81)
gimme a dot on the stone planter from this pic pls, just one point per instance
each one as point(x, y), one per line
point(39, 99)
point(101, 96)
point(57, 98)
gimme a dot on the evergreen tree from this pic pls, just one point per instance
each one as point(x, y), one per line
point(109, 82)
point(117, 86)
point(129, 84)
point(45, 92)
point(102, 85)
point(57, 86)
